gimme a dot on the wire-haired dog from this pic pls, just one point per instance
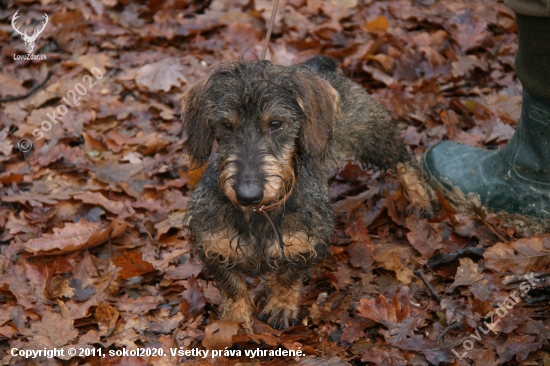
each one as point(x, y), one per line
point(262, 206)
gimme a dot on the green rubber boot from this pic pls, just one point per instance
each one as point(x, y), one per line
point(513, 182)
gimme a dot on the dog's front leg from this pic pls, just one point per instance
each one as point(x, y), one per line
point(283, 302)
point(236, 302)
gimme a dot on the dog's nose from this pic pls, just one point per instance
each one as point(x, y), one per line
point(249, 193)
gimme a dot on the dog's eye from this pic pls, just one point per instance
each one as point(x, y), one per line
point(227, 127)
point(275, 125)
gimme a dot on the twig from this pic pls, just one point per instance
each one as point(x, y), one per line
point(269, 29)
point(453, 326)
point(520, 278)
point(30, 91)
point(422, 276)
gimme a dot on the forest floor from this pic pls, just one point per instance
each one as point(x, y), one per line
point(93, 254)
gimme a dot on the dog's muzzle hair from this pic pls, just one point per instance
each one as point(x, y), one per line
point(259, 181)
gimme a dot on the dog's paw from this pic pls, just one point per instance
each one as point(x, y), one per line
point(239, 311)
point(279, 316)
point(283, 305)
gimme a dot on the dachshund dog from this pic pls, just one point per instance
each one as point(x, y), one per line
point(270, 134)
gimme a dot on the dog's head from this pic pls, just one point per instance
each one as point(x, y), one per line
point(264, 118)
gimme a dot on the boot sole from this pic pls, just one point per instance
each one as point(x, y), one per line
point(471, 203)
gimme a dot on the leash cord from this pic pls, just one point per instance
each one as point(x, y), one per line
point(269, 29)
point(277, 233)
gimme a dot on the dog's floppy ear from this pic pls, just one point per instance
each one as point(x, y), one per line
point(320, 104)
point(200, 136)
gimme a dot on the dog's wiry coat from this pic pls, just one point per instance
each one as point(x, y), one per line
point(271, 134)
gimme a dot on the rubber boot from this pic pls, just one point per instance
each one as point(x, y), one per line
point(514, 180)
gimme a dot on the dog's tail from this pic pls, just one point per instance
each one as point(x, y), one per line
point(323, 64)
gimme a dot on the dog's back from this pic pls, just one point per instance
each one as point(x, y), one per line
point(365, 130)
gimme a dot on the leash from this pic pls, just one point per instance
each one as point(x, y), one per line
point(269, 29)
point(263, 211)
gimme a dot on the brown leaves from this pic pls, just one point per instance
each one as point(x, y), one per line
point(519, 257)
point(193, 295)
point(106, 317)
point(132, 265)
point(162, 75)
point(56, 329)
point(10, 86)
point(379, 24)
point(219, 334)
point(425, 237)
point(399, 320)
point(73, 237)
point(94, 250)
point(466, 275)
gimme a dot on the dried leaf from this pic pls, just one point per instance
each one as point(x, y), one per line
point(58, 330)
point(519, 257)
point(466, 275)
point(219, 334)
point(132, 264)
point(424, 236)
point(161, 76)
point(379, 24)
point(106, 317)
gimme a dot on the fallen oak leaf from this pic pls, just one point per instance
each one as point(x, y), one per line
point(97, 199)
point(80, 293)
point(429, 348)
point(57, 329)
point(139, 305)
point(354, 329)
point(184, 271)
point(162, 75)
point(360, 251)
point(219, 334)
point(106, 317)
point(424, 236)
point(94, 60)
point(384, 357)
point(175, 220)
point(379, 24)
point(519, 257)
point(100, 295)
point(395, 257)
point(132, 264)
point(466, 275)
point(73, 237)
point(193, 295)
point(399, 320)
point(10, 86)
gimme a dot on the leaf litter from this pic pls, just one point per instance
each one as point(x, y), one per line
point(93, 253)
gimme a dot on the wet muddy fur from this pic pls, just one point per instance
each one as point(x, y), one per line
point(270, 134)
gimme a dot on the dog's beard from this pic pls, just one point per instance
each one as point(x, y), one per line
point(277, 173)
point(279, 177)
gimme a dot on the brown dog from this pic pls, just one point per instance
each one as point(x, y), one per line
point(262, 206)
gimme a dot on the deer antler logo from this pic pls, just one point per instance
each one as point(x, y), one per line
point(29, 40)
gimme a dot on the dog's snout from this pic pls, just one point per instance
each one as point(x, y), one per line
point(249, 192)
